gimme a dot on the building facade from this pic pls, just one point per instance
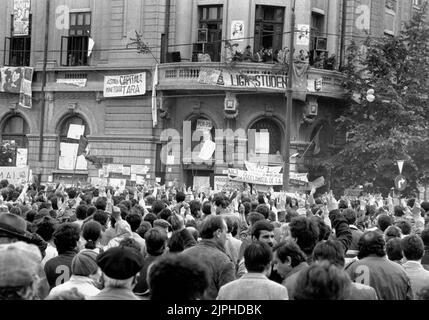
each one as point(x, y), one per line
point(206, 85)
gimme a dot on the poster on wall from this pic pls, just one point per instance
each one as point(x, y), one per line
point(237, 31)
point(14, 175)
point(21, 157)
point(18, 80)
point(303, 36)
point(125, 85)
point(21, 17)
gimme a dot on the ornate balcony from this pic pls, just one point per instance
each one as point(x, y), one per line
point(263, 78)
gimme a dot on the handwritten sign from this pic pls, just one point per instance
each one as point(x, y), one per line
point(125, 85)
point(255, 178)
point(14, 175)
point(253, 167)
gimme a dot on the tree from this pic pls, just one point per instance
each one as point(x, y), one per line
point(394, 126)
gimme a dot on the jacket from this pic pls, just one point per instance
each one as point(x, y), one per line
point(84, 285)
point(253, 286)
point(419, 277)
point(220, 266)
point(115, 294)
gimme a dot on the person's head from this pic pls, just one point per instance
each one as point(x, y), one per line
point(322, 281)
point(46, 228)
point(330, 250)
point(134, 220)
point(257, 257)
point(413, 248)
point(180, 197)
point(144, 227)
point(150, 217)
point(177, 222)
point(207, 208)
point(81, 212)
point(195, 207)
point(66, 237)
point(30, 215)
point(405, 226)
point(384, 221)
point(101, 204)
point(130, 243)
point(214, 228)
point(254, 217)
point(155, 241)
point(194, 232)
point(162, 224)
point(306, 233)
point(425, 237)
point(101, 217)
point(398, 211)
point(371, 243)
point(287, 255)
point(350, 215)
point(264, 210)
point(19, 271)
point(423, 294)
point(392, 232)
point(91, 232)
point(16, 211)
point(84, 264)
point(394, 249)
point(290, 214)
point(120, 266)
point(164, 214)
point(263, 231)
point(324, 230)
point(232, 225)
point(157, 207)
point(425, 206)
point(177, 277)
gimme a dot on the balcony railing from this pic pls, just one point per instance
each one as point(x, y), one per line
point(186, 76)
point(74, 51)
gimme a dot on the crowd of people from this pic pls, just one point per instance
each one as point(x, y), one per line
point(173, 243)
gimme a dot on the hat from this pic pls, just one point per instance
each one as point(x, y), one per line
point(84, 263)
point(19, 264)
point(120, 263)
point(13, 226)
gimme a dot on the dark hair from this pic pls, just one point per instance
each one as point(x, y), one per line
point(394, 249)
point(210, 225)
point(264, 210)
point(413, 247)
point(195, 207)
point(232, 225)
point(180, 196)
point(91, 232)
point(134, 220)
point(306, 231)
point(157, 206)
point(66, 237)
point(91, 211)
point(81, 212)
point(144, 227)
point(324, 230)
point(46, 228)
point(101, 204)
point(289, 249)
point(392, 232)
point(257, 256)
point(405, 227)
point(290, 215)
point(425, 236)
point(398, 211)
point(350, 215)
point(371, 242)
point(155, 241)
point(30, 215)
point(164, 214)
point(16, 211)
point(262, 225)
point(255, 217)
point(330, 250)
point(207, 208)
point(247, 207)
point(188, 274)
point(425, 206)
point(150, 217)
point(384, 221)
point(322, 281)
point(101, 216)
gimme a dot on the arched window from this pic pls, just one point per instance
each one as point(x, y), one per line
point(268, 137)
point(68, 147)
point(14, 142)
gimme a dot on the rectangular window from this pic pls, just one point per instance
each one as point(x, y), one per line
point(209, 32)
point(18, 48)
point(269, 27)
point(318, 44)
point(78, 40)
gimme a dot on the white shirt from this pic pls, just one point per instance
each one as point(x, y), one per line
point(84, 285)
point(50, 252)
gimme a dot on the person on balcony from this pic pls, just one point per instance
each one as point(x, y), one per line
point(247, 54)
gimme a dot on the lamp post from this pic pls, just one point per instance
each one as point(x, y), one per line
point(289, 91)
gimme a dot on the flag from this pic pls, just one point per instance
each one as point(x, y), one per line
point(83, 144)
point(154, 100)
point(317, 142)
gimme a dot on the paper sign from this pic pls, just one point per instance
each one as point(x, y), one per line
point(170, 160)
point(201, 182)
point(237, 31)
point(148, 176)
point(80, 83)
point(262, 142)
point(299, 176)
point(147, 161)
point(21, 157)
point(256, 178)
point(158, 180)
point(115, 168)
point(99, 182)
point(138, 169)
point(125, 85)
point(14, 175)
point(126, 171)
point(75, 131)
point(101, 173)
point(118, 183)
point(21, 17)
point(204, 125)
point(320, 182)
point(400, 165)
point(50, 179)
point(139, 180)
point(221, 182)
point(207, 150)
point(133, 177)
point(253, 167)
point(303, 36)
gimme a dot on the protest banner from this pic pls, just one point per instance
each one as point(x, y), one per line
point(255, 178)
point(125, 85)
point(253, 167)
point(15, 175)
